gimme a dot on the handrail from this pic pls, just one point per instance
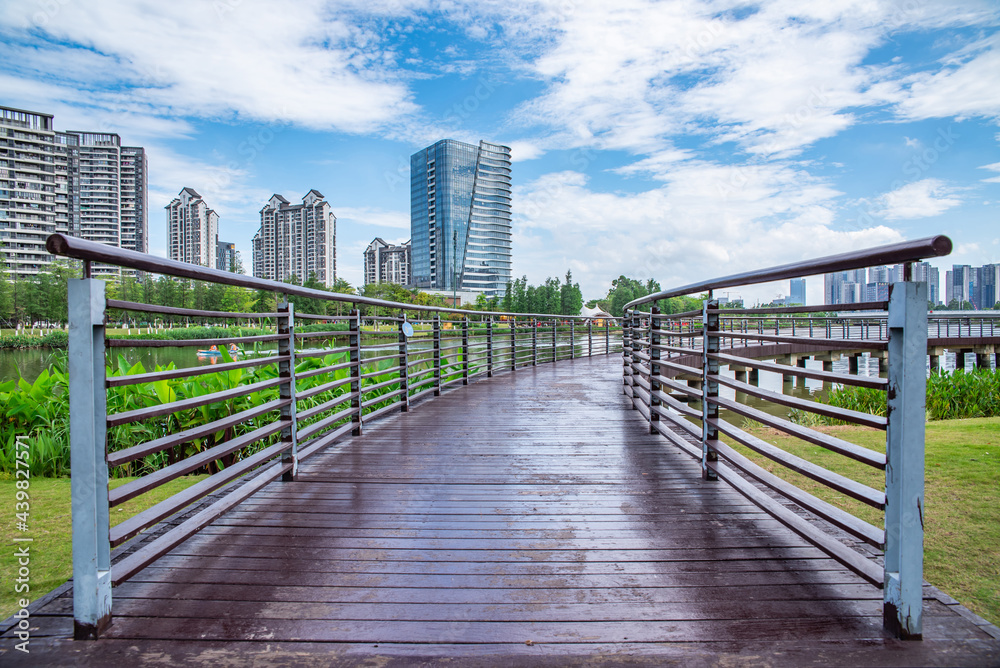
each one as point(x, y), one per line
point(907, 251)
point(675, 374)
point(248, 422)
point(92, 251)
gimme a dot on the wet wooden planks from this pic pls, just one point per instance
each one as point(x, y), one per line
point(531, 515)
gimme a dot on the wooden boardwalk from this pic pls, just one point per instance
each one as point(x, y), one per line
point(528, 519)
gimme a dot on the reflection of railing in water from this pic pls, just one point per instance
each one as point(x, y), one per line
point(659, 350)
point(303, 397)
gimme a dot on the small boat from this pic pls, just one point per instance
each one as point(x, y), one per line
point(215, 352)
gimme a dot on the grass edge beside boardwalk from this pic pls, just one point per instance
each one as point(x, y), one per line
point(50, 528)
point(962, 499)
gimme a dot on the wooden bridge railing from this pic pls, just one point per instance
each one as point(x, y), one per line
point(255, 416)
point(673, 373)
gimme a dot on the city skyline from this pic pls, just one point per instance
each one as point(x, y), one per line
point(669, 140)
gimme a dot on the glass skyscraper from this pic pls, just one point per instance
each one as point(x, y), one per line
point(460, 217)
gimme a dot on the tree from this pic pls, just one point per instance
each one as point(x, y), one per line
point(6, 292)
point(570, 298)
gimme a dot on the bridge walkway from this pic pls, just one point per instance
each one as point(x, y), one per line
point(528, 519)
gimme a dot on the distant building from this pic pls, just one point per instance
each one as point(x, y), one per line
point(134, 205)
point(296, 240)
point(460, 217)
point(797, 292)
point(859, 285)
point(84, 184)
point(225, 257)
point(386, 263)
point(192, 229)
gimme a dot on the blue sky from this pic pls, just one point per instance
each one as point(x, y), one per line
point(673, 140)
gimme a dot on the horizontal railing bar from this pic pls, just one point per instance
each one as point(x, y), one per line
point(676, 404)
point(857, 417)
point(822, 308)
point(331, 334)
point(173, 310)
point(790, 370)
point(130, 490)
point(300, 395)
point(168, 374)
point(140, 521)
point(188, 343)
point(379, 358)
point(321, 425)
point(661, 427)
point(308, 448)
point(82, 249)
point(135, 562)
point(302, 375)
point(422, 383)
point(855, 526)
point(320, 352)
point(125, 417)
point(326, 405)
point(680, 368)
point(907, 251)
point(677, 349)
point(119, 457)
point(389, 396)
point(825, 344)
point(377, 386)
point(863, 493)
point(378, 412)
point(867, 569)
point(864, 455)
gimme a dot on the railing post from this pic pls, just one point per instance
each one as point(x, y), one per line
point(286, 346)
point(404, 366)
point(904, 470)
point(607, 336)
point(489, 347)
point(465, 350)
point(555, 339)
point(534, 342)
point(88, 460)
point(626, 348)
point(654, 367)
point(354, 341)
point(590, 338)
point(437, 355)
point(709, 386)
point(572, 339)
point(513, 343)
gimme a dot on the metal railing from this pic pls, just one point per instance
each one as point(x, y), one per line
point(254, 417)
point(674, 373)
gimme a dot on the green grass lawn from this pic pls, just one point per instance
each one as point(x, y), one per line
point(962, 499)
point(49, 526)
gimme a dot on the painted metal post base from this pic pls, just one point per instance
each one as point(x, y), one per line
point(91, 631)
point(892, 625)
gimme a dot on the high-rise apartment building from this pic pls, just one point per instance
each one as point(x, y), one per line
point(192, 229)
point(68, 182)
point(27, 190)
point(296, 240)
point(134, 203)
point(387, 263)
point(460, 220)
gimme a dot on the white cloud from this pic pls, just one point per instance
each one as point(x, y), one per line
point(964, 89)
point(995, 167)
point(920, 199)
point(248, 60)
point(365, 215)
point(707, 220)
